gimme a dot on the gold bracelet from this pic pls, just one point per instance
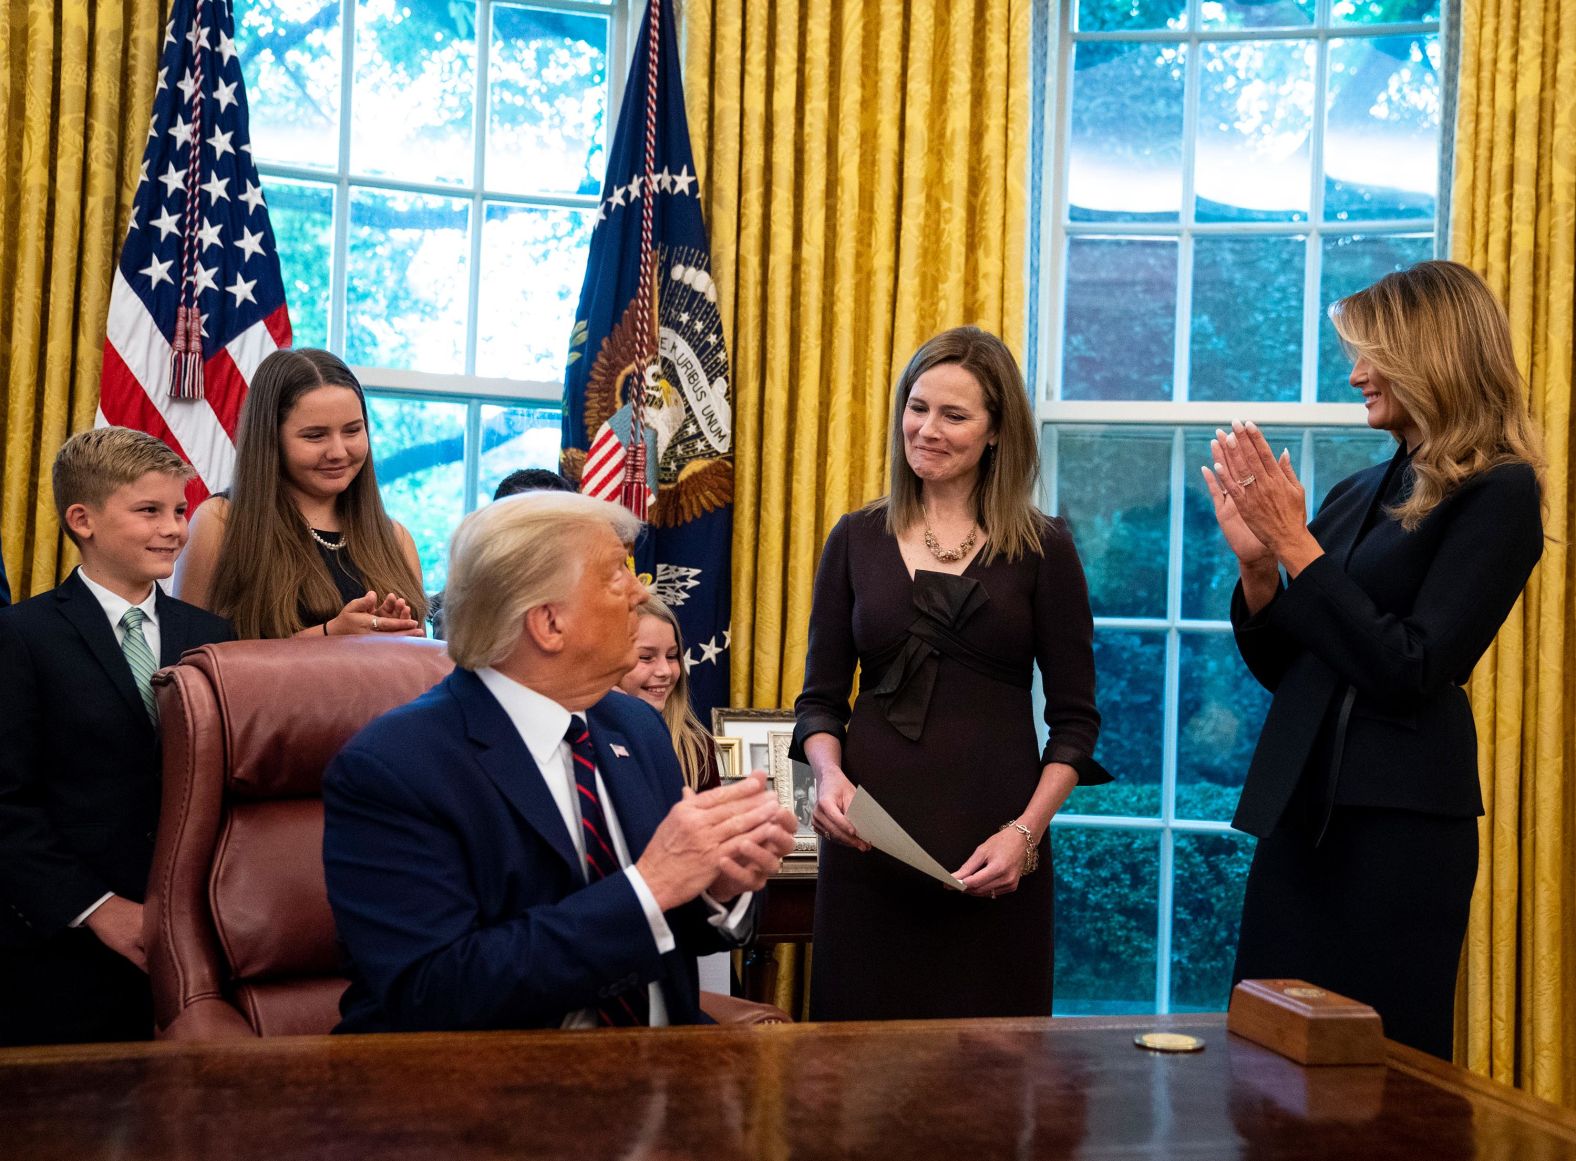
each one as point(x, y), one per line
point(1031, 854)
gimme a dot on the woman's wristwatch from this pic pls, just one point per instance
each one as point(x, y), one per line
point(1031, 854)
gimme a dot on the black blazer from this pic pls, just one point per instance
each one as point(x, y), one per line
point(79, 759)
point(1396, 620)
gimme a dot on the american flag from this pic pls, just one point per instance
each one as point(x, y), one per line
point(199, 238)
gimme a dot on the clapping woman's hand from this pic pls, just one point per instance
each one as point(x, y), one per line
point(1248, 548)
point(366, 614)
point(833, 794)
point(1265, 493)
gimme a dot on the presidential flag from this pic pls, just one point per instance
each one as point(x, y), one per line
point(647, 419)
point(198, 300)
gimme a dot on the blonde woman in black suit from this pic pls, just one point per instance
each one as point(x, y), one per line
point(1364, 787)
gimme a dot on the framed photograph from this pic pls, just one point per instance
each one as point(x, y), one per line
point(760, 739)
point(794, 783)
point(730, 763)
point(751, 727)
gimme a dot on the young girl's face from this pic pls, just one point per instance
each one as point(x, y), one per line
point(323, 442)
point(657, 663)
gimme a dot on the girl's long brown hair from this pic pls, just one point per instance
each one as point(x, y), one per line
point(691, 741)
point(1008, 474)
point(267, 564)
point(1441, 338)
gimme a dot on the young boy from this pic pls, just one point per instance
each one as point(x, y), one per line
point(79, 746)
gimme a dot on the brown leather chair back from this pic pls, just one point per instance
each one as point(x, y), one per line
point(239, 934)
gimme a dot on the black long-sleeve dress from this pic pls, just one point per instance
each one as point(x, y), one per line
point(1364, 787)
point(943, 736)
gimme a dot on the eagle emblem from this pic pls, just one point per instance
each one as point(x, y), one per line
point(688, 416)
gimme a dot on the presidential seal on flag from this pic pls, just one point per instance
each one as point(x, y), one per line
point(688, 428)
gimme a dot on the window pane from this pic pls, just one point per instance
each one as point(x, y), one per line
point(1114, 489)
point(1255, 118)
point(1383, 11)
point(1256, 13)
point(1337, 454)
point(1130, 691)
point(1209, 570)
point(1351, 262)
point(546, 101)
point(408, 286)
point(1247, 319)
point(420, 456)
point(415, 90)
point(533, 265)
point(515, 438)
point(1381, 139)
point(1220, 710)
point(1111, 15)
point(1209, 873)
point(302, 214)
point(289, 52)
point(1107, 884)
point(1125, 150)
point(1110, 350)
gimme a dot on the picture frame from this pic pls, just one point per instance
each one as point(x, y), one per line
point(752, 727)
point(760, 739)
point(729, 759)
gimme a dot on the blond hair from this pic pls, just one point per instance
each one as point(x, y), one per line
point(92, 464)
point(513, 555)
point(1441, 338)
point(692, 742)
point(267, 567)
point(1008, 473)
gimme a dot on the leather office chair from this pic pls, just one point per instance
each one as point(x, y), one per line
point(238, 930)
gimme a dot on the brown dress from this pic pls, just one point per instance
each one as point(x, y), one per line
point(943, 736)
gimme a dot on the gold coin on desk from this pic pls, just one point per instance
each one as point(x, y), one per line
point(1168, 1042)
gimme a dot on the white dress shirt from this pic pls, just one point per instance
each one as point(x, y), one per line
point(542, 724)
point(115, 606)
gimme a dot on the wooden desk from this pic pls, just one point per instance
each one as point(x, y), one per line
point(958, 1089)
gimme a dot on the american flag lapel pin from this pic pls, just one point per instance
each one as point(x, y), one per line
point(618, 750)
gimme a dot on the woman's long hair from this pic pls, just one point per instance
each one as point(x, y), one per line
point(1441, 338)
point(268, 566)
point(691, 741)
point(1008, 474)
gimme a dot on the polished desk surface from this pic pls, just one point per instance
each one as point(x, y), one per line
point(954, 1089)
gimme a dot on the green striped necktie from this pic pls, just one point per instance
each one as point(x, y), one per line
point(135, 646)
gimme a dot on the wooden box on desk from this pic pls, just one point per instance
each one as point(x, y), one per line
point(1306, 1023)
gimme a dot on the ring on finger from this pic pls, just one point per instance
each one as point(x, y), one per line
point(374, 624)
point(1247, 480)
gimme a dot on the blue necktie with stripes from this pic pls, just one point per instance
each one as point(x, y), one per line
point(633, 1007)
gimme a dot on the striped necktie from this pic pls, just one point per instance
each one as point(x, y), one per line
point(634, 1006)
point(135, 646)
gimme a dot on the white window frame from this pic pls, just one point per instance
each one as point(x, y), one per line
point(624, 23)
point(1055, 41)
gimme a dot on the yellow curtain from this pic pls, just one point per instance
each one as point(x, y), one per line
point(1514, 220)
point(863, 166)
point(78, 86)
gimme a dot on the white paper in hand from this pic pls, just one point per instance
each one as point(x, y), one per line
point(880, 830)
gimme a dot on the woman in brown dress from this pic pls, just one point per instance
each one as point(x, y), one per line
point(945, 594)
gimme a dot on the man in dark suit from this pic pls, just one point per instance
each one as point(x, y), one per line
point(516, 848)
point(79, 749)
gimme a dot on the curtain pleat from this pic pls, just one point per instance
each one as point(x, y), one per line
point(78, 86)
point(863, 167)
point(1514, 220)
